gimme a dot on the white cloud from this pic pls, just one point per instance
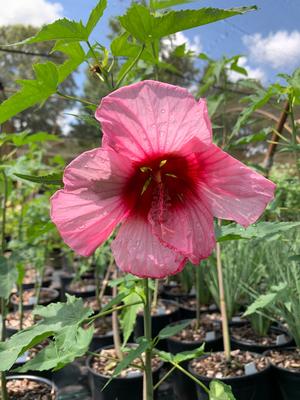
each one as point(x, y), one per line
point(253, 73)
point(29, 12)
point(279, 50)
point(178, 39)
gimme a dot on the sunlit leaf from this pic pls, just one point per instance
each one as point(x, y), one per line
point(95, 15)
point(220, 391)
point(146, 27)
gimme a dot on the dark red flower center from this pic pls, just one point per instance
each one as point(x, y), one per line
point(173, 174)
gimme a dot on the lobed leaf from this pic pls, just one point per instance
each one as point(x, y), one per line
point(144, 26)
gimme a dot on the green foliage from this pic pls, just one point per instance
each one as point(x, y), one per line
point(180, 357)
point(261, 230)
point(172, 330)
point(32, 91)
point(51, 179)
point(61, 321)
point(61, 352)
point(146, 27)
point(220, 391)
point(8, 277)
point(160, 4)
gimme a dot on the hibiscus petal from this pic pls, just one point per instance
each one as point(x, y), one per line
point(102, 170)
point(90, 206)
point(152, 117)
point(139, 252)
point(84, 221)
point(229, 188)
point(186, 227)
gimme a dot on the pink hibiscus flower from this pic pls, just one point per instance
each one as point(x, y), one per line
point(159, 175)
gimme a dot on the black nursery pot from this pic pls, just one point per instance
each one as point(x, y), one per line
point(287, 382)
point(158, 321)
point(187, 312)
point(90, 291)
point(127, 388)
point(182, 385)
point(255, 386)
point(52, 296)
point(258, 348)
point(49, 383)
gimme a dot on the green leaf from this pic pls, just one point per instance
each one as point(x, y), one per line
point(220, 391)
point(95, 15)
point(76, 56)
point(32, 91)
point(180, 357)
point(58, 319)
point(59, 353)
point(172, 330)
point(8, 277)
point(257, 100)
point(144, 26)
point(61, 29)
point(266, 300)
point(51, 179)
point(129, 358)
point(256, 137)
point(129, 315)
point(261, 230)
point(87, 119)
point(160, 4)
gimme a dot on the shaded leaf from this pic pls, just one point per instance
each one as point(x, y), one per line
point(8, 277)
point(172, 330)
point(265, 300)
point(51, 179)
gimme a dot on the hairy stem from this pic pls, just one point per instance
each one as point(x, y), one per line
point(4, 393)
point(148, 381)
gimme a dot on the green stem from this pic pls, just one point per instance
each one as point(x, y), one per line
point(198, 297)
point(164, 377)
point(21, 308)
point(155, 294)
point(225, 326)
point(148, 381)
point(187, 373)
point(4, 393)
point(5, 195)
point(156, 58)
point(107, 312)
point(73, 98)
point(126, 72)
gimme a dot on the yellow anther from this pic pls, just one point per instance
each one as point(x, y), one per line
point(162, 163)
point(146, 184)
point(171, 175)
point(145, 169)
